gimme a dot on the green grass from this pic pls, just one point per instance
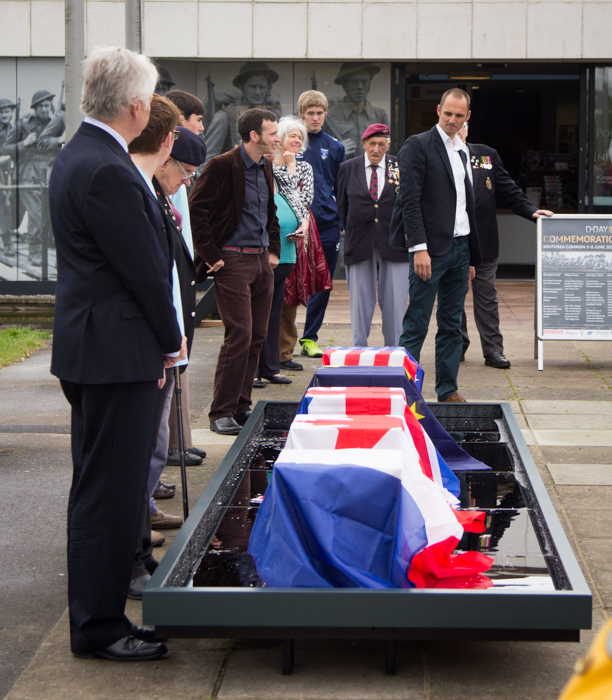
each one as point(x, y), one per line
point(19, 342)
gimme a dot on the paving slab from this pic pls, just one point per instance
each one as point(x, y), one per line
point(573, 438)
point(592, 524)
point(570, 422)
point(583, 454)
point(597, 552)
point(327, 673)
point(568, 407)
point(582, 474)
point(585, 497)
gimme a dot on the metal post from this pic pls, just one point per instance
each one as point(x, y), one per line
point(75, 53)
point(179, 419)
point(133, 25)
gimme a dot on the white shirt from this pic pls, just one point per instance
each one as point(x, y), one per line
point(381, 170)
point(453, 148)
point(109, 130)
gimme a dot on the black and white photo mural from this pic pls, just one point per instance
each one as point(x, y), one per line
point(358, 95)
point(32, 126)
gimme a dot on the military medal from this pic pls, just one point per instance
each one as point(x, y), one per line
point(489, 184)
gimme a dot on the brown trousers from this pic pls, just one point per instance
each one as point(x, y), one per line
point(243, 287)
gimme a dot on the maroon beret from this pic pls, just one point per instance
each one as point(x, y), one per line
point(376, 130)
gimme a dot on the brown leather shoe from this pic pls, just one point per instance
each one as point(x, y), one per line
point(454, 398)
point(157, 538)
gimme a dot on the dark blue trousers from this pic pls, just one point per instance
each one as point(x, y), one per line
point(317, 304)
point(449, 281)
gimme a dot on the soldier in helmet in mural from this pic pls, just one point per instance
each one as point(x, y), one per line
point(164, 82)
point(33, 170)
point(348, 119)
point(7, 198)
point(254, 81)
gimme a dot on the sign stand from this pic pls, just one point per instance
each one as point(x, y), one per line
point(573, 279)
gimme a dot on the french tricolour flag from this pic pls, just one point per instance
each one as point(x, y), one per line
point(358, 518)
point(381, 401)
point(375, 357)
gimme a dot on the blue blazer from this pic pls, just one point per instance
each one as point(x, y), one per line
point(114, 318)
point(366, 222)
point(424, 210)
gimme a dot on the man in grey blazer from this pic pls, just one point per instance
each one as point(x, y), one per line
point(115, 329)
point(367, 186)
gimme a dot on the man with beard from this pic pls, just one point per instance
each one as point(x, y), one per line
point(237, 238)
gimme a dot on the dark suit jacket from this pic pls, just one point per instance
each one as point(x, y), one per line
point(493, 187)
point(366, 222)
point(424, 210)
point(216, 203)
point(114, 318)
point(185, 268)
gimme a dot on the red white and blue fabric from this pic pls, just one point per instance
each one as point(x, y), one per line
point(358, 518)
point(381, 401)
point(374, 357)
point(358, 376)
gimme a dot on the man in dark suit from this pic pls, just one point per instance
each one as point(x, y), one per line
point(115, 329)
point(367, 188)
point(237, 237)
point(491, 184)
point(434, 216)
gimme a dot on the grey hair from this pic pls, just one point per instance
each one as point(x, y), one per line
point(287, 124)
point(113, 79)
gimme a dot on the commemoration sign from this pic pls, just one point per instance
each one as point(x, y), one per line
point(574, 277)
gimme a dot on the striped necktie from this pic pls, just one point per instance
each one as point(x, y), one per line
point(374, 183)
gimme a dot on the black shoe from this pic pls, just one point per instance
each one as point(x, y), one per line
point(225, 426)
point(278, 379)
point(196, 451)
point(145, 634)
point(292, 364)
point(174, 459)
point(242, 418)
point(150, 564)
point(129, 648)
point(496, 359)
point(259, 384)
point(137, 586)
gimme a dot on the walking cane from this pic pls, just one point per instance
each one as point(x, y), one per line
point(181, 437)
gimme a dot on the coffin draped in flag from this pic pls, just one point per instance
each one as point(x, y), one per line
point(381, 401)
point(358, 518)
point(384, 356)
point(371, 376)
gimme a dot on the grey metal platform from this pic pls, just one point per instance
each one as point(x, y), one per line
point(179, 609)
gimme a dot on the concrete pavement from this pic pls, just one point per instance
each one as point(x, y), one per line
point(565, 414)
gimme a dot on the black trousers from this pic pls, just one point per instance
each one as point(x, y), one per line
point(113, 428)
point(269, 360)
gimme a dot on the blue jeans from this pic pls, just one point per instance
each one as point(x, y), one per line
point(449, 281)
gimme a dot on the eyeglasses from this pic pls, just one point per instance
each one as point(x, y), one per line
point(186, 175)
point(176, 134)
